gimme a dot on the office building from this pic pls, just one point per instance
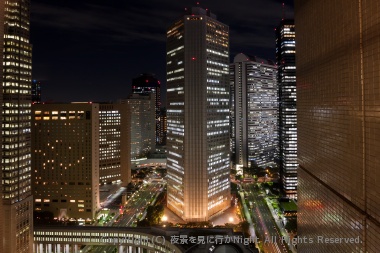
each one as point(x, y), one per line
point(114, 143)
point(143, 124)
point(163, 122)
point(254, 111)
point(286, 77)
point(65, 148)
point(17, 203)
point(145, 84)
point(198, 161)
point(338, 96)
point(36, 91)
point(2, 9)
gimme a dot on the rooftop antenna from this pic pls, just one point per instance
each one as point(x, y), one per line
point(283, 11)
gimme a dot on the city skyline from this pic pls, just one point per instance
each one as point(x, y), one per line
point(89, 45)
point(66, 164)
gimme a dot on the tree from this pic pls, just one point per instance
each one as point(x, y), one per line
point(245, 227)
point(291, 225)
point(154, 214)
point(143, 223)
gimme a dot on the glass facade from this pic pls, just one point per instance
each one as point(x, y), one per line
point(338, 123)
point(286, 76)
point(36, 91)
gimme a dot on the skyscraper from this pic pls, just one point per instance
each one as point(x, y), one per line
point(114, 143)
point(198, 147)
point(36, 91)
point(16, 153)
point(66, 158)
point(142, 119)
point(2, 9)
point(254, 111)
point(286, 76)
point(338, 66)
point(145, 84)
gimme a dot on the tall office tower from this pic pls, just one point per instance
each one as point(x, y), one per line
point(286, 77)
point(142, 124)
point(36, 91)
point(2, 9)
point(16, 154)
point(338, 66)
point(114, 143)
point(146, 84)
point(65, 148)
point(198, 147)
point(254, 111)
point(163, 122)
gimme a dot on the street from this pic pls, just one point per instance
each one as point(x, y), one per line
point(267, 231)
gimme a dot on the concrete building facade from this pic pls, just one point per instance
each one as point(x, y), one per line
point(143, 124)
point(198, 159)
point(65, 146)
point(254, 111)
point(114, 143)
point(17, 201)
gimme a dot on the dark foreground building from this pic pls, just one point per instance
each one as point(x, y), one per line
point(338, 99)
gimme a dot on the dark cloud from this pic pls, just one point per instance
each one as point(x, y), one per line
point(91, 49)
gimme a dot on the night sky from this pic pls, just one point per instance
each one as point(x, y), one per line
point(89, 50)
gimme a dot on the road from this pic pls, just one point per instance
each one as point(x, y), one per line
point(266, 227)
point(137, 203)
point(134, 207)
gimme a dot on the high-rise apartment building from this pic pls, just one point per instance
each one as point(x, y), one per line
point(198, 147)
point(36, 91)
point(145, 84)
point(66, 152)
point(338, 97)
point(114, 143)
point(286, 77)
point(17, 200)
point(143, 122)
point(254, 111)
